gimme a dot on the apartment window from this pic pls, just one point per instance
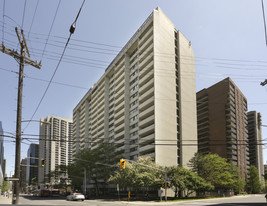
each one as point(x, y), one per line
point(131, 55)
point(134, 88)
point(134, 110)
point(111, 113)
point(134, 118)
point(133, 149)
point(134, 126)
point(134, 95)
point(133, 103)
point(134, 133)
point(111, 107)
point(135, 141)
point(133, 81)
point(134, 66)
point(134, 73)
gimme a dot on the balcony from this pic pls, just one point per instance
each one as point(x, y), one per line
point(147, 130)
point(119, 121)
point(232, 157)
point(145, 122)
point(146, 139)
point(147, 60)
point(146, 45)
point(144, 104)
point(148, 68)
point(146, 36)
point(146, 113)
point(119, 86)
point(230, 140)
point(148, 94)
point(119, 135)
point(231, 152)
point(231, 98)
point(146, 149)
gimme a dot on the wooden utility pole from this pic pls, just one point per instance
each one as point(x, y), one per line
point(22, 61)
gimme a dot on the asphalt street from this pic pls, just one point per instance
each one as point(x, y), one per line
point(248, 200)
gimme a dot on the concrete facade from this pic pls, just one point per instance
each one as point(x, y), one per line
point(222, 121)
point(143, 103)
point(255, 142)
point(54, 145)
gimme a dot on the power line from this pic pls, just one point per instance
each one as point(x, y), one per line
point(72, 28)
point(23, 16)
point(3, 33)
point(33, 17)
point(182, 57)
point(51, 29)
point(264, 21)
point(80, 87)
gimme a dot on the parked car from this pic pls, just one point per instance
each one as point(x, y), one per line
point(75, 196)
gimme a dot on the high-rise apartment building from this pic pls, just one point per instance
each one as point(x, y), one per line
point(222, 123)
point(255, 142)
point(145, 102)
point(54, 145)
point(32, 164)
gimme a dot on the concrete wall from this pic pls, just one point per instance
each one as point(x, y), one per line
point(188, 121)
point(165, 90)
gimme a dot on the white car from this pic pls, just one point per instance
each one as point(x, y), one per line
point(75, 196)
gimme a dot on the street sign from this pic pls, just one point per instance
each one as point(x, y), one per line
point(11, 179)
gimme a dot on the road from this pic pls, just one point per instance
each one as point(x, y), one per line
point(248, 200)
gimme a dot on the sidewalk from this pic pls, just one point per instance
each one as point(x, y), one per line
point(5, 200)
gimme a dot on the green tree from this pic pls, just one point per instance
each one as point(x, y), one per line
point(216, 170)
point(138, 175)
point(254, 184)
point(58, 179)
point(99, 163)
point(4, 186)
point(185, 180)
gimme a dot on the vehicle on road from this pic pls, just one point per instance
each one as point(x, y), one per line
point(76, 196)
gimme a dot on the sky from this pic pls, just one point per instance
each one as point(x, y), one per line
point(227, 37)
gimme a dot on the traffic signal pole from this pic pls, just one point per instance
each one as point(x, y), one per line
point(22, 61)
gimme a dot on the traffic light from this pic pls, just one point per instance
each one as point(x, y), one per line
point(163, 185)
point(43, 163)
point(169, 184)
point(122, 163)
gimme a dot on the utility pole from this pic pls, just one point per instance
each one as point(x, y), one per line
point(264, 83)
point(22, 61)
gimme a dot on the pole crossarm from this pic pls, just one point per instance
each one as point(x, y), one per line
point(17, 56)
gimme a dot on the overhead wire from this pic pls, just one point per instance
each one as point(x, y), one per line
point(222, 61)
point(33, 18)
point(3, 31)
point(264, 21)
point(51, 27)
point(23, 15)
point(50, 81)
